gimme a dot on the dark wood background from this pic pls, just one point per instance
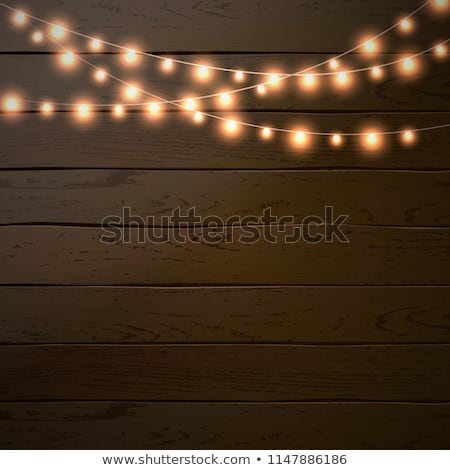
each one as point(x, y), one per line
point(195, 346)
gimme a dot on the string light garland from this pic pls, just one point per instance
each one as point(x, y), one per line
point(203, 71)
point(300, 138)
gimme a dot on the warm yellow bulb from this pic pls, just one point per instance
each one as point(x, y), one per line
point(153, 109)
point(231, 127)
point(261, 89)
point(408, 65)
point(334, 64)
point(266, 133)
point(342, 80)
point(274, 79)
point(440, 4)
point(131, 92)
point(440, 50)
point(130, 57)
point(408, 137)
point(309, 81)
point(203, 72)
point(167, 65)
point(376, 72)
point(37, 37)
point(20, 18)
point(68, 59)
point(190, 104)
point(58, 31)
point(336, 140)
point(239, 76)
point(370, 46)
point(300, 137)
point(83, 111)
point(406, 25)
point(47, 109)
point(96, 44)
point(118, 111)
point(371, 140)
point(225, 99)
point(100, 75)
point(198, 117)
point(12, 104)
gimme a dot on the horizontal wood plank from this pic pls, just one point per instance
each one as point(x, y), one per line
point(225, 372)
point(250, 25)
point(88, 196)
point(72, 255)
point(84, 425)
point(32, 141)
point(224, 315)
point(41, 79)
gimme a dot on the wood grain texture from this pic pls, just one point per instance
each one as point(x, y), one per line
point(31, 141)
point(374, 255)
point(125, 425)
point(224, 315)
point(41, 77)
point(225, 373)
point(87, 197)
point(236, 25)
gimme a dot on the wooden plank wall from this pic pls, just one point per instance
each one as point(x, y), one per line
point(264, 346)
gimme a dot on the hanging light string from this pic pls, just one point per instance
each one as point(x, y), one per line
point(211, 67)
point(196, 99)
point(84, 108)
point(160, 101)
point(274, 78)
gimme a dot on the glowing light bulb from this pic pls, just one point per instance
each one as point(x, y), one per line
point(203, 72)
point(239, 76)
point(131, 92)
point(96, 44)
point(440, 50)
point(274, 79)
point(370, 46)
point(46, 109)
point(58, 31)
point(167, 65)
point(342, 80)
point(440, 4)
point(198, 117)
point(376, 72)
point(261, 89)
point(266, 133)
point(406, 25)
point(309, 81)
point(301, 139)
point(231, 127)
point(20, 18)
point(83, 111)
point(371, 140)
point(408, 137)
point(100, 75)
point(37, 37)
point(130, 57)
point(190, 104)
point(12, 104)
point(153, 109)
point(334, 64)
point(336, 140)
point(225, 99)
point(118, 111)
point(408, 65)
point(68, 59)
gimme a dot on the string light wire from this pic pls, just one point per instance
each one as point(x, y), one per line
point(279, 78)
